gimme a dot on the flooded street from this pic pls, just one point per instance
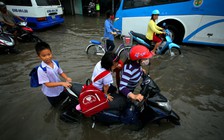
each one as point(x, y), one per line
point(193, 82)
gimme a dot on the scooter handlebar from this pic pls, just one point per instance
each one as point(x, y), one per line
point(118, 32)
point(71, 92)
point(139, 105)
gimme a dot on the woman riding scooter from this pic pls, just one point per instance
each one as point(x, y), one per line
point(153, 29)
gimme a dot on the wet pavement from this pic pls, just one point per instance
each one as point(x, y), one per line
point(193, 82)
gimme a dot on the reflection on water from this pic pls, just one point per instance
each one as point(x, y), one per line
point(193, 82)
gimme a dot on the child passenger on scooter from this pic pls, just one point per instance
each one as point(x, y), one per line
point(52, 86)
point(108, 62)
point(132, 71)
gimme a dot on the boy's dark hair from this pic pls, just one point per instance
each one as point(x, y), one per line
point(41, 46)
point(109, 13)
point(108, 59)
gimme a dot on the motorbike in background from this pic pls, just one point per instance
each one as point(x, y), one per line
point(25, 33)
point(7, 43)
point(91, 9)
point(167, 45)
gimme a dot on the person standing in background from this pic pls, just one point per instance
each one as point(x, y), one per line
point(97, 8)
point(109, 30)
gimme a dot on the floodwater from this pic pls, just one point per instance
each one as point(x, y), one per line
point(193, 82)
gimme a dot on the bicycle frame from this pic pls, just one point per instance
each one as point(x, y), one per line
point(103, 48)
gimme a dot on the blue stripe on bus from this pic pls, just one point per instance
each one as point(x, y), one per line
point(201, 28)
point(34, 24)
point(205, 43)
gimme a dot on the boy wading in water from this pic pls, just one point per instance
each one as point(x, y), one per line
point(52, 86)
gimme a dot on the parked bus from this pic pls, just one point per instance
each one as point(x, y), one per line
point(191, 21)
point(38, 13)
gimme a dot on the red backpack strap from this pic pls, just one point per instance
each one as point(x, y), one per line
point(101, 75)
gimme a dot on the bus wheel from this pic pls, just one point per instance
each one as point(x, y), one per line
point(175, 33)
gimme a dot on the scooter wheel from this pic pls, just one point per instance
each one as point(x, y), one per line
point(136, 126)
point(35, 39)
point(174, 118)
point(174, 51)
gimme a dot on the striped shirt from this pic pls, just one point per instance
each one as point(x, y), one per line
point(131, 75)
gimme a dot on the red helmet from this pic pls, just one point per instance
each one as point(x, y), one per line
point(138, 52)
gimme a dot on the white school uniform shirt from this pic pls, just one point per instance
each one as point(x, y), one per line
point(50, 75)
point(107, 80)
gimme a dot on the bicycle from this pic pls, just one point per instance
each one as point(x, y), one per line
point(96, 48)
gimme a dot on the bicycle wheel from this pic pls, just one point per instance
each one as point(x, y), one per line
point(124, 53)
point(92, 49)
point(174, 51)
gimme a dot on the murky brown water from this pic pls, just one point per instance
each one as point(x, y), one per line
point(193, 82)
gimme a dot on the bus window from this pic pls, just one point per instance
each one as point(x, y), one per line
point(158, 2)
point(173, 1)
point(135, 3)
point(47, 2)
point(18, 2)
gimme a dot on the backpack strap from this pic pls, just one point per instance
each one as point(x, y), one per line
point(56, 63)
point(43, 68)
point(101, 75)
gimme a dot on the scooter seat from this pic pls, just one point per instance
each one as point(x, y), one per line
point(138, 35)
point(95, 42)
point(141, 36)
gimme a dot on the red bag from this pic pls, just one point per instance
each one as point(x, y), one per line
point(91, 99)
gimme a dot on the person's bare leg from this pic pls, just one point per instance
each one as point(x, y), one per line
point(15, 37)
point(156, 46)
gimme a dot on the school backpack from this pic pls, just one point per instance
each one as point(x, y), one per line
point(92, 100)
point(34, 82)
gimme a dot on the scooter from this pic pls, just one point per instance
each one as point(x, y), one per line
point(91, 9)
point(7, 43)
point(167, 45)
point(153, 108)
point(26, 34)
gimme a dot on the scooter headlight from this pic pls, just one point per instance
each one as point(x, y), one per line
point(165, 105)
point(23, 23)
point(8, 43)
